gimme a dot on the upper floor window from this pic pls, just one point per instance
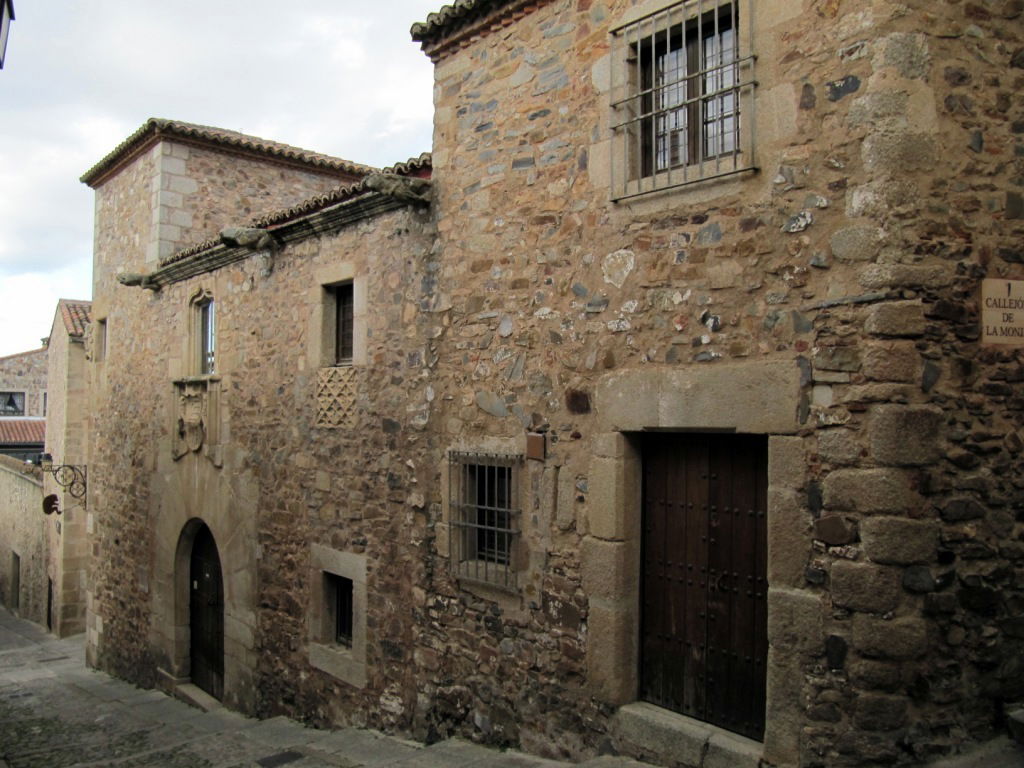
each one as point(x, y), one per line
point(204, 333)
point(12, 403)
point(344, 316)
point(677, 102)
point(100, 343)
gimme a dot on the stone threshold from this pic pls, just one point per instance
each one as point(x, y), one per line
point(657, 735)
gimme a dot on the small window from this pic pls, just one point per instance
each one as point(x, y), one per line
point(338, 593)
point(100, 346)
point(12, 403)
point(15, 596)
point(343, 323)
point(207, 329)
point(45, 404)
point(484, 516)
point(677, 104)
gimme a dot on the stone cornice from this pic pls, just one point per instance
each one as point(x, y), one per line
point(457, 26)
point(323, 222)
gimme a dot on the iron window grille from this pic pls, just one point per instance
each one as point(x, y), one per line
point(684, 81)
point(344, 302)
point(339, 595)
point(12, 403)
point(207, 337)
point(484, 516)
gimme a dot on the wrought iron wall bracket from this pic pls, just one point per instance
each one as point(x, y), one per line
point(71, 477)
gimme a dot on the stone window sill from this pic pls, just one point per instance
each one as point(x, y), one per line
point(339, 662)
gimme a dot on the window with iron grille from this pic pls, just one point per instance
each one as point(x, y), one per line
point(484, 516)
point(338, 591)
point(344, 302)
point(680, 85)
point(12, 403)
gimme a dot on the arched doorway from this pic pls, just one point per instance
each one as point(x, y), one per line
point(206, 615)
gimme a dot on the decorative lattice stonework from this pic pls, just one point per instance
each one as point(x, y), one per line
point(336, 397)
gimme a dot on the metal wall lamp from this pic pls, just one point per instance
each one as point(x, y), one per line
point(69, 476)
point(6, 17)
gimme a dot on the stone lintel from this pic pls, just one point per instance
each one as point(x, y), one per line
point(753, 397)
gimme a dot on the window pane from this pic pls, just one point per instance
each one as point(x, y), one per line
point(342, 610)
point(207, 338)
point(12, 403)
point(344, 310)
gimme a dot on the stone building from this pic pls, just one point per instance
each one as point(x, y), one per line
point(44, 559)
point(67, 422)
point(677, 414)
point(23, 403)
point(23, 577)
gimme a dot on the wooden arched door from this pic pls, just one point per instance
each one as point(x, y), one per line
point(206, 615)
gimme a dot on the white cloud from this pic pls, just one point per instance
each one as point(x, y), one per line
point(336, 77)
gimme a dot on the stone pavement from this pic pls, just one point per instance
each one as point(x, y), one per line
point(57, 713)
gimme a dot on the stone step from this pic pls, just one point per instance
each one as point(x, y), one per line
point(1015, 723)
point(196, 697)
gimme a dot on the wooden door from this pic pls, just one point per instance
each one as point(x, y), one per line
point(704, 630)
point(206, 615)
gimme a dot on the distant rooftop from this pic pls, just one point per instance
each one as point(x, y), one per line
point(22, 431)
point(75, 315)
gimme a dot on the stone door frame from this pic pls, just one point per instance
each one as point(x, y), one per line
point(754, 398)
point(170, 638)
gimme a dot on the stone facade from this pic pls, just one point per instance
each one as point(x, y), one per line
point(22, 540)
point(25, 373)
point(67, 428)
point(827, 301)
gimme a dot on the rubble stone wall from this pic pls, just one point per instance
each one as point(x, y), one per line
point(66, 430)
point(268, 482)
point(22, 533)
point(829, 300)
point(199, 191)
point(145, 213)
point(889, 155)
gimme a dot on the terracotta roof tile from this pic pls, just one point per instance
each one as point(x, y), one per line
point(20, 431)
point(75, 315)
point(156, 128)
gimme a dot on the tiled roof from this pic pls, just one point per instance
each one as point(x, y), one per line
point(21, 431)
point(75, 315)
point(156, 128)
point(416, 166)
point(446, 24)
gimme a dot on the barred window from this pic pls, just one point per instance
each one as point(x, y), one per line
point(484, 520)
point(677, 101)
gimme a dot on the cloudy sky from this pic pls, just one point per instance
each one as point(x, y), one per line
point(336, 76)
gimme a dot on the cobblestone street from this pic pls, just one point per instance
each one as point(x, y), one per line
point(56, 713)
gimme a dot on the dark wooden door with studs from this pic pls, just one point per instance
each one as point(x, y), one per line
point(206, 615)
point(704, 628)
